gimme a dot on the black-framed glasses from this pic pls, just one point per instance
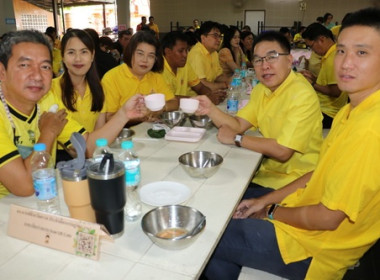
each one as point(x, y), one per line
point(271, 57)
point(216, 35)
point(311, 46)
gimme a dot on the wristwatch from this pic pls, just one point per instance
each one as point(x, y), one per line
point(238, 139)
point(271, 211)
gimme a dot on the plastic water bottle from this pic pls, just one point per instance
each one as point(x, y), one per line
point(101, 149)
point(131, 162)
point(44, 180)
point(243, 71)
point(233, 97)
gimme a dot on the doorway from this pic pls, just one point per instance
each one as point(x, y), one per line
point(255, 19)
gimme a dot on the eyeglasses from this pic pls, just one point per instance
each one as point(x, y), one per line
point(141, 55)
point(311, 46)
point(216, 35)
point(271, 58)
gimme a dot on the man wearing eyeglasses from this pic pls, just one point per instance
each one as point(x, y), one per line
point(321, 41)
point(284, 107)
point(204, 59)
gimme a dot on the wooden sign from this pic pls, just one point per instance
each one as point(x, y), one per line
point(69, 235)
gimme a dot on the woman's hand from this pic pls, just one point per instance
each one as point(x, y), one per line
point(134, 107)
point(205, 105)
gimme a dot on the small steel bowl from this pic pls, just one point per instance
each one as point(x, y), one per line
point(169, 226)
point(173, 118)
point(200, 164)
point(124, 135)
point(203, 121)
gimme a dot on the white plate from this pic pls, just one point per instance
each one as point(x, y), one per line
point(186, 134)
point(164, 193)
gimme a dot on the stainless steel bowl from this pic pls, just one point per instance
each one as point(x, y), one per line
point(200, 164)
point(203, 121)
point(124, 135)
point(173, 119)
point(169, 226)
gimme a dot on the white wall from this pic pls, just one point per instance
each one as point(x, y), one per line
point(278, 12)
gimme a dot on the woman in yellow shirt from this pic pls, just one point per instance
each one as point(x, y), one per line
point(79, 86)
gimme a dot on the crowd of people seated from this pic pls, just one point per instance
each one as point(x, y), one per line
point(99, 87)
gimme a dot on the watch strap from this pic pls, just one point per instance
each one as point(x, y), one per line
point(272, 210)
point(238, 139)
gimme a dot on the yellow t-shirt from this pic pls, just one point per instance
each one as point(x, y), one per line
point(335, 30)
point(297, 38)
point(83, 115)
point(329, 105)
point(57, 61)
point(181, 83)
point(345, 179)
point(154, 27)
point(291, 115)
point(119, 84)
point(206, 65)
point(20, 142)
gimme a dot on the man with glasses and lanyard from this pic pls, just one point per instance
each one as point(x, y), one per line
point(284, 107)
point(204, 59)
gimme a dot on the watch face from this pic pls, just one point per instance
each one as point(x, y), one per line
point(238, 138)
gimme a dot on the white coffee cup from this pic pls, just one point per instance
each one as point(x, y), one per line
point(155, 101)
point(188, 105)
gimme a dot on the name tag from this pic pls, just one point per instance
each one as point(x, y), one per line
point(65, 234)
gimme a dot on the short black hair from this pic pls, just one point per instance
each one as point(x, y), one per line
point(207, 26)
point(123, 32)
point(171, 38)
point(315, 30)
point(273, 36)
point(366, 17)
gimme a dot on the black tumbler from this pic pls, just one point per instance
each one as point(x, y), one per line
point(107, 192)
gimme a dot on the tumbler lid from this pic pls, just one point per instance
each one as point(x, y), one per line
point(107, 169)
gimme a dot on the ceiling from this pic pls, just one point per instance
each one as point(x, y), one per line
point(48, 4)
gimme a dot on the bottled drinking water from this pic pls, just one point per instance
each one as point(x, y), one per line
point(44, 180)
point(101, 149)
point(243, 74)
point(131, 162)
point(233, 96)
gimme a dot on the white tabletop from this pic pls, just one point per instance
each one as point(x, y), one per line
point(133, 255)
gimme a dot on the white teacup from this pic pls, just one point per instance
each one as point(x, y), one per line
point(155, 101)
point(188, 105)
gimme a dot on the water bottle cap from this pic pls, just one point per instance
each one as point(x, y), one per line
point(39, 147)
point(101, 142)
point(126, 145)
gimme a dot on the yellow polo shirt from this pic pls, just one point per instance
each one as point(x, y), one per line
point(83, 115)
point(21, 142)
point(291, 115)
point(329, 105)
point(345, 179)
point(181, 83)
point(206, 65)
point(119, 84)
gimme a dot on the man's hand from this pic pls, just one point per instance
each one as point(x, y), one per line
point(205, 105)
point(52, 122)
point(250, 208)
point(309, 76)
point(218, 96)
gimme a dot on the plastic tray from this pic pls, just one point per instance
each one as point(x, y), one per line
point(185, 134)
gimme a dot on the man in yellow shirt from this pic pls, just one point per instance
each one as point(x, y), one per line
point(25, 101)
point(284, 107)
point(321, 224)
point(153, 26)
point(204, 59)
point(331, 98)
point(178, 74)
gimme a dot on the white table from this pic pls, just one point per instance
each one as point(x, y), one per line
point(133, 255)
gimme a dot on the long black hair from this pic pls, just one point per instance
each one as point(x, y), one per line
point(92, 77)
point(228, 35)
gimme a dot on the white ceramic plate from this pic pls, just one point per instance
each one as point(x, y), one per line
point(164, 193)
